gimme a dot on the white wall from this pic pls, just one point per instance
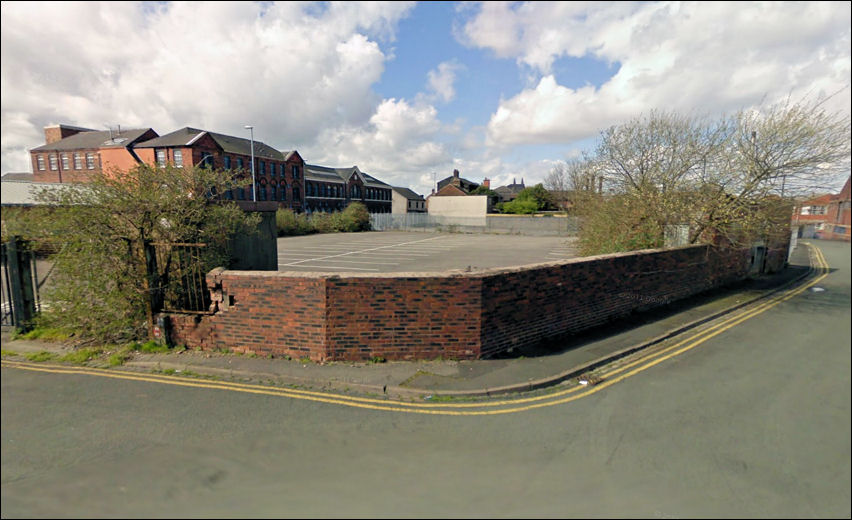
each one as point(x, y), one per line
point(399, 204)
point(469, 206)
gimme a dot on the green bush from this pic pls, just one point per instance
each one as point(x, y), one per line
point(354, 218)
point(617, 224)
point(520, 207)
point(290, 223)
point(99, 286)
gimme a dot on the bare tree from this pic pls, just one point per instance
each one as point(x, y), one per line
point(573, 182)
point(732, 176)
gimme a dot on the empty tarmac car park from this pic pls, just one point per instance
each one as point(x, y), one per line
point(399, 251)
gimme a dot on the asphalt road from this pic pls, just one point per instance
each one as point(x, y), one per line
point(400, 251)
point(754, 422)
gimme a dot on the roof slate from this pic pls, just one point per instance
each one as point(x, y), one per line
point(328, 174)
point(94, 140)
point(228, 143)
point(407, 193)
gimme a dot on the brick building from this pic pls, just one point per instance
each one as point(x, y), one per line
point(454, 186)
point(827, 216)
point(279, 176)
point(73, 154)
point(332, 189)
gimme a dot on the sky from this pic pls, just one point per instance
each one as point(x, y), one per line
point(410, 91)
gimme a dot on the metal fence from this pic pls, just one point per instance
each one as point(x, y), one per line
point(178, 277)
point(20, 285)
point(509, 224)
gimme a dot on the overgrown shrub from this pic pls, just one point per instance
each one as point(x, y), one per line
point(354, 218)
point(290, 223)
point(100, 285)
point(615, 224)
point(528, 201)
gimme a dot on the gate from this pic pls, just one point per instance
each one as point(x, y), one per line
point(20, 296)
point(177, 277)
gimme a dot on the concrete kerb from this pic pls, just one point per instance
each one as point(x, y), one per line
point(289, 380)
point(604, 360)
point(396, 391)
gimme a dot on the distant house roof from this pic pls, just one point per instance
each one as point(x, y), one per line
point(464, 184)
point(22, 193)
point(819, 201)
point(407, 193)
point(450, 190)
point(10, 176)
point(229, 144)
point(510, 191)
point(329, 174)
point(95, 139)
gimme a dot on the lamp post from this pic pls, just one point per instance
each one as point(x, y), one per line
point(253, 185)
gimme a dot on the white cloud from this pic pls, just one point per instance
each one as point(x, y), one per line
point(703, 57)
point(442, 80)
point(398, 144)
point(290, 69)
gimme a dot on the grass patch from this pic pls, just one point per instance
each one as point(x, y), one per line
point(44, 334)
point(8, 353)
point(118, 359)
point(40, 356)
point(82, 355)
point(151, 347)
point(377, 359)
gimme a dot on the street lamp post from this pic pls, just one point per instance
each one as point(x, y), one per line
point(253, 185)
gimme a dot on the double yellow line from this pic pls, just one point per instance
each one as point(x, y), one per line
point(607, 377)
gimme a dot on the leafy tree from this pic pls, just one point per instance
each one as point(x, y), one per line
point(100, 285)
point(493, 196)
point(530, 200)
point(519, 206)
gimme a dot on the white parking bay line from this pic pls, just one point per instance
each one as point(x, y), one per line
point(347, 261)
point(327, 267)
point(361, 251)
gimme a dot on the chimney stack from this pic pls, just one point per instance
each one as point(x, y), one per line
point(59, 132)
point(456, 174)
point(486, 182)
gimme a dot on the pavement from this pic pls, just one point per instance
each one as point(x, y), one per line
point(519, 371)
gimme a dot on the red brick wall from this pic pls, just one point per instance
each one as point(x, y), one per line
point(525, 306)
point(67, 175)
point(330, 317)
point(53, 134)
point(404, 317)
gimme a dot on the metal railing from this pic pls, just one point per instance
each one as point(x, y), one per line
point(19, 286)
point(179, 279)
point(511, 224)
